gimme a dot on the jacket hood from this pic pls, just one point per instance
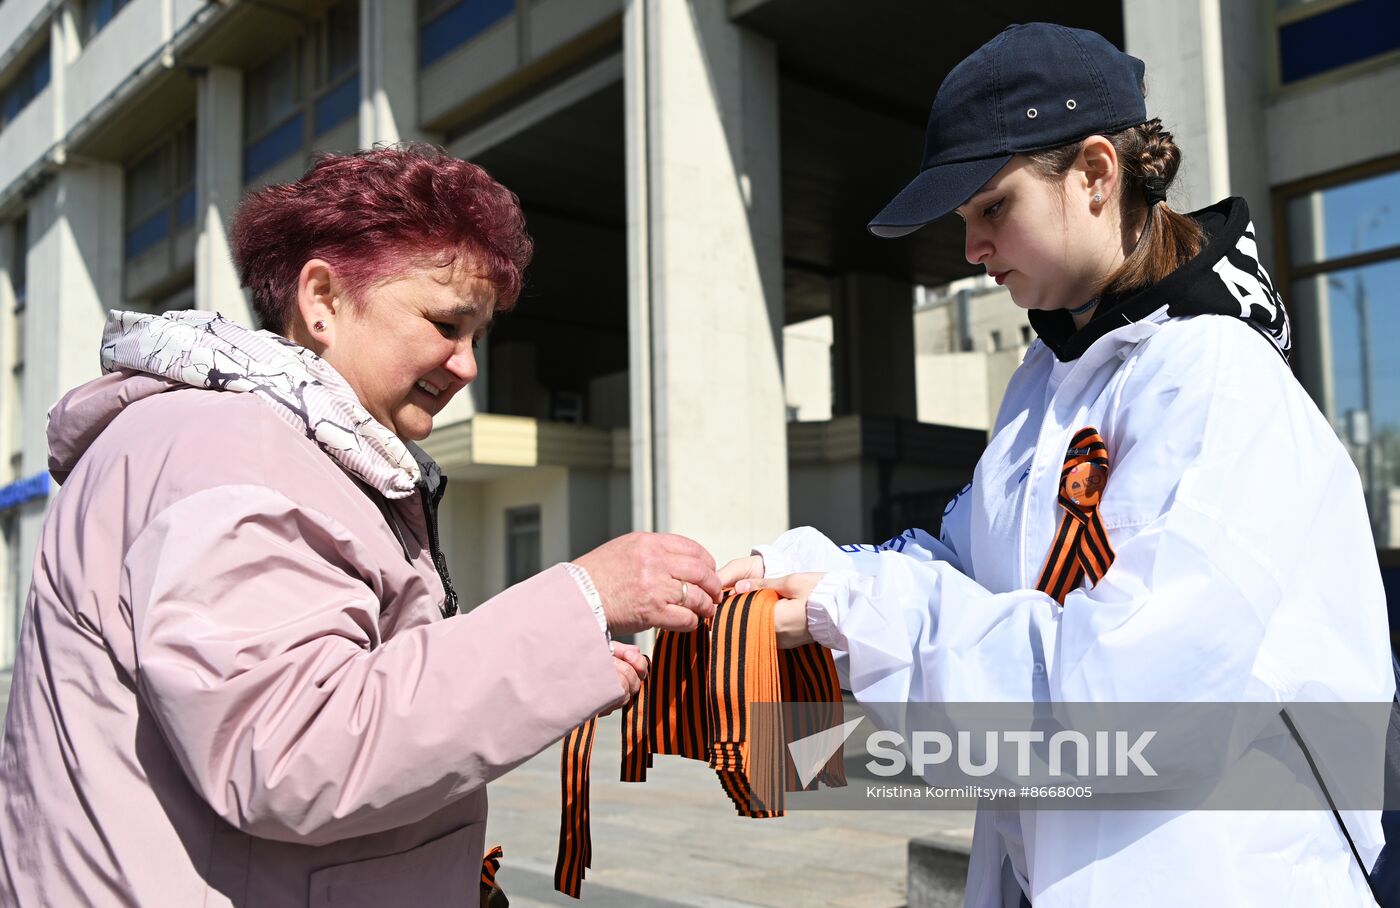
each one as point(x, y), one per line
point(143, 355)
point(1224, 278)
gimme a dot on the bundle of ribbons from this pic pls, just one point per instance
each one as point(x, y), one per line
point(723, 693)
point(699, 699)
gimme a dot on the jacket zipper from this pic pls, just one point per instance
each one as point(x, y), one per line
point(430, 513)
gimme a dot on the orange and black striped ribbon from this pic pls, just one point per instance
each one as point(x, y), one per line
point(636, 737)
point(699, 701)
point(489, 866)
point(1081, 548)
point(575, 840)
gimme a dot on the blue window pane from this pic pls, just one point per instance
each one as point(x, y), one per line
point(1346, 34)
point(101, 13)
point(1346, 319)
point(147, 233)
point(457, 25)
point(184, 209)
point(337, 105)
point(1345, 220)
point(12, 104)
point(273, 147)
point(32, 79)
point(40, 78)
point(342, 39)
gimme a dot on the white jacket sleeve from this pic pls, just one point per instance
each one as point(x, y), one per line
point(1228, 493)
point(804, 549)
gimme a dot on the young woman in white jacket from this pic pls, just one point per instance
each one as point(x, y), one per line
point(1242, 566)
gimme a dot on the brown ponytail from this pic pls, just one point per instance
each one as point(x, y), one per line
point(1169, 239)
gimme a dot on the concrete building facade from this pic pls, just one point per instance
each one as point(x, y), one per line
point(709, 342)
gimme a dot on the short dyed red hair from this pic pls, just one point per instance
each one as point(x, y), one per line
point(368, 212)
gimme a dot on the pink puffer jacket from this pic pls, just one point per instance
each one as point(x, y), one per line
point(235, 685)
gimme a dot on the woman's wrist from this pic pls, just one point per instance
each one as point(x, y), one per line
point(790, 623)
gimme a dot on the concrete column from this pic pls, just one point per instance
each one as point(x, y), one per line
point(709, 456)
point(8, 443)
point(873, 347)
point(75, 271)
point(218, 186)
point(64, 48)
point(388, 74)
point(10, 412)
point(1212, 102)
point(74, 279)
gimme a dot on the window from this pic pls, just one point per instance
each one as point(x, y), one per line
point(566, 406)
point(522, 543)
point(273, 125)
point(97, 13)
point(445, 25)
point(1320, 36)
point(32, 78)
point(336, 84)
point(1026, 337)
point(319, 71)
point(160, 193)
point(1343, 283)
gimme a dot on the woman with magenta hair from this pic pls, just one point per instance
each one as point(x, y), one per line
point(242, 677)
point(1161, 514)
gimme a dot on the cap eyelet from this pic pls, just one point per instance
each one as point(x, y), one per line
point(1071, 104)
point(1032, 113)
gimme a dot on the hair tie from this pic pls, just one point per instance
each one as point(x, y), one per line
point(1154, 189)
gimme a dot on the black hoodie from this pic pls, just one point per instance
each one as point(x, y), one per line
point(1224, 278)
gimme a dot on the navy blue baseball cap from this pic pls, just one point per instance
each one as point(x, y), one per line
point(1031, 87)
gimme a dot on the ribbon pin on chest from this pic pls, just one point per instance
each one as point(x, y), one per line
point(1081, 550)
point(1083, 484)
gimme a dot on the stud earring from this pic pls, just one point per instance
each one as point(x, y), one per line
point(318, 326)
point(1098, 198)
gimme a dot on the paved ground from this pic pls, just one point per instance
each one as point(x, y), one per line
point(676, 841)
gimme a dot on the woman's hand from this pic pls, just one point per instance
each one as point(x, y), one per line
point(790, 614)
point(632, 669)
point(653, 580)
point(740, 571)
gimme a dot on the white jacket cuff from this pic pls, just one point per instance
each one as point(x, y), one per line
point(829, 600)
point(580, 576)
